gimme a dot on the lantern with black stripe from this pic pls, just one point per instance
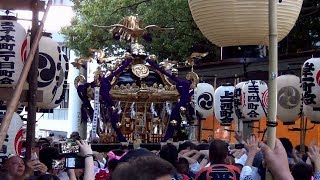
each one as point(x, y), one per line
point(13, 53)
point(289, 98)
point(312, 113)
point(49, 70)
point(255, 100)
point(204, 99)
point(311, 82)
point(223, 104)
point(61, 86)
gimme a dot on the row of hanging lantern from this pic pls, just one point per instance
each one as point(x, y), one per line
point(53, 63)
point(248, 101)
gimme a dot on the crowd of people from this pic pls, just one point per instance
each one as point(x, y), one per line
point(190, 160)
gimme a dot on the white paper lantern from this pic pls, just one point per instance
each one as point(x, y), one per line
point(61, 84)
point(289, 98)
point(255, 100)
point(238, 101)
point(204, 99)
point(312, 113)
point(311, 82)
point(13, 142)
point(49, 69)
point(223, 104)
point(12, 50)
point(242, 22)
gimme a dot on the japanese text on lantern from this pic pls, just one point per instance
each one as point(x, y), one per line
point(7, 44)
point(237, 103)
point(226, 106)
point(253, 99)
point(308, 83)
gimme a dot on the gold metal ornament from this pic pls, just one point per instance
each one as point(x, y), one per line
point(184, 122)
point(129, 28)
point(79, 62)
point(183, 110)
point(174, 71)
point(173, 122)
point(153, 57)
point(127, 55)
point(118, 125)
point(79, 79)
point(192, 76)
point(138, 49)
point(113, 109)
point(140, 70)
point(99, 53)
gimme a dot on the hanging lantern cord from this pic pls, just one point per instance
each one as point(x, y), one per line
point(299, 129)
point(269, 124)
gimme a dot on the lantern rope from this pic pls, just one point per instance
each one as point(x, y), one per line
point(272, 124)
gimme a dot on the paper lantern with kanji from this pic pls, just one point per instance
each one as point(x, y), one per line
point(204, 99)
point(242, 22)
point(289, 98)
point(13, 50)
point(312, 113)
point(49, 69)
point(238, 101)
point(311, 82)
point(255, 100)
point(223, 104)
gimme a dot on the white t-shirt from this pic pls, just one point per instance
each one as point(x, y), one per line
point(249, 171)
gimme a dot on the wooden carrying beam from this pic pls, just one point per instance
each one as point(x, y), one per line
point(19, 5)
point(13, 103)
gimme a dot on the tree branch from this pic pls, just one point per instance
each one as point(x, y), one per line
point(175, 19)
point(308, 14)
point(135, 5)
point(303, 9)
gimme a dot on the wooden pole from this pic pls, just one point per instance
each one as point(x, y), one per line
point(273, 73)
point(13, 103)
point(33, 84)
point(214, 118)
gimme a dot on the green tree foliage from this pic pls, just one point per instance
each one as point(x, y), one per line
point(174, 44)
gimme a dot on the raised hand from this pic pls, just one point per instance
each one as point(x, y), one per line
point(85, 148)
point(314, 155)
point(276, 160)
point(252, 145)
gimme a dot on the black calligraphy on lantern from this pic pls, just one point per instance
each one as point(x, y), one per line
point(253, 99)
point(226, 107)
point(237, 103)
point(307, 84)
point(7, 53)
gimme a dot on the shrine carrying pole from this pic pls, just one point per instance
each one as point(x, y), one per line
point(13, 103)
point(273, 73)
